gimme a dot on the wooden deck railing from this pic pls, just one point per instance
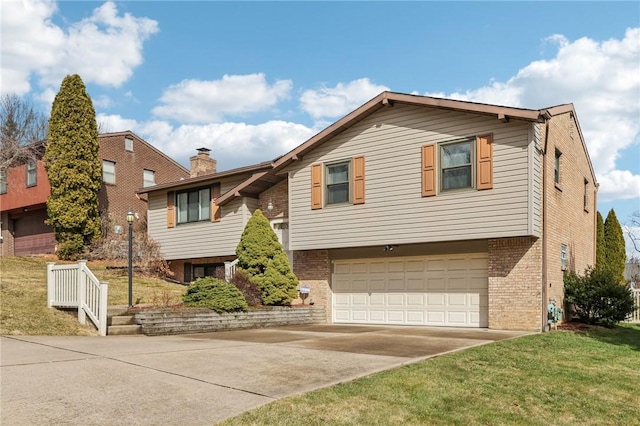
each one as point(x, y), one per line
point(75, 286)
point(635, 316)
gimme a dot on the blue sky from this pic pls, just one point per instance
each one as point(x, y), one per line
point(251, 80)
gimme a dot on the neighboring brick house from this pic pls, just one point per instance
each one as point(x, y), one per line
point(129, 163)
point(410, 210)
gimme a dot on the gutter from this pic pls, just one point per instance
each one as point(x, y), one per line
point(544, 225)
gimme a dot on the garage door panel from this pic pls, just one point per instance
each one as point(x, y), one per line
point(457, 283)
point(456, 300)
point(377, 315)
point(414, 300)
point(396, 317)
point(396, 300)
point(395, 283)
point(436, 283)
point(446, 290)
point(377, 299)
point(376, 284)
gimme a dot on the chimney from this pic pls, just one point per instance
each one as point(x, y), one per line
point(202, 164)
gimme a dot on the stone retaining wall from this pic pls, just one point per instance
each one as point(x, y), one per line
point(157, 322)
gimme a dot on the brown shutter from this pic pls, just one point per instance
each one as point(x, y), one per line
point(358, 180)
point(171, 210)
point(429, 170)
point(485, 161)
point(316, 186)
point(215, 208)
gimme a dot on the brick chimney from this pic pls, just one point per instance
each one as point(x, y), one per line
point(202, 164)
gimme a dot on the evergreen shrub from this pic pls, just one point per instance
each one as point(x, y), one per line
point(215, 294)
point(597, 298)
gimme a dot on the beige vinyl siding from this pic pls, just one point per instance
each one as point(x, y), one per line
point(536, 181)
point(199, 239)
point(395, 212)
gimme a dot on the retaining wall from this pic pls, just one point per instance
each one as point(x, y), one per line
point(157, 322)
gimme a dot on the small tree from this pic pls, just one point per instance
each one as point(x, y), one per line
point(73, 168)
point(597, 297)
point(260, 254)
point(615, 247)
point(601, 251)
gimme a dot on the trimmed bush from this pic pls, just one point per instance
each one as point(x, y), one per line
point(215, 294)
point(260, 254)
point(597, 297)
point(249, 289)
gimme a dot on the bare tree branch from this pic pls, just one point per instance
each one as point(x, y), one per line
point(22, 129)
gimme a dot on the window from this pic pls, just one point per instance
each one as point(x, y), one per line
point(128, 144)
point(563, 257)
point(32, 173)
point(556, 168)
point(194, 205)
point(109, 172)
point(3, 181)
point(148, 178)
point(456, 165)
point(338, 182)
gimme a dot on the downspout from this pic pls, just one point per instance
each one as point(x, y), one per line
point(544, 226)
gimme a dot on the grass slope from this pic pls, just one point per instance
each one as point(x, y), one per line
point(23, 297)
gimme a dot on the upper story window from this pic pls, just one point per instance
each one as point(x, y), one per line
point(108, 172)
point(194, 205)
point(564, 259)
point(556, 168)
point(456, 165)
point(148, 178)
point(32, 173)
point(337, 182)
point(128, 144)
point(3, 181)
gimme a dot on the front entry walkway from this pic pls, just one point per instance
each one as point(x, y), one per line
point(200, 379)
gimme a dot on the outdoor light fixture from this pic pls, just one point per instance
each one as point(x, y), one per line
point(130, 218)
point(270, 207)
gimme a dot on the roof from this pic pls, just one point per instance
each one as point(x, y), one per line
point(265, 174)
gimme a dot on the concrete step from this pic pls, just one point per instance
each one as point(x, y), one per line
point(120, 330)
point(121, 320)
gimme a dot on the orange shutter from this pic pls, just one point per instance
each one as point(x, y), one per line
point(485, 161)
point(316, 186)
point(215, 209)
point(428, 170)
point(171, 210)
point(358, 180)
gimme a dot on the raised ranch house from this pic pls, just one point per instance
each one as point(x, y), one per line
point(410, 210)
point(128, 163)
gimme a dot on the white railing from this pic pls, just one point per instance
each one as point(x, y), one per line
point(635, 316)
point(75, 286)
point(230, 270)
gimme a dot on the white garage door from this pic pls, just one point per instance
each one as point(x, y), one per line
point(443, 290)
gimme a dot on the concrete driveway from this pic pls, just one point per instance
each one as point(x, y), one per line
point(200, 379)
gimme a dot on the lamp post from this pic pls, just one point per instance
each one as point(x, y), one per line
point(130, 219)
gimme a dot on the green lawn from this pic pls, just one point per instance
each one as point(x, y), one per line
point(23, 296)
point(558, 378)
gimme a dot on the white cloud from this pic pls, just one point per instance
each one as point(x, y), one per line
point(334, 102)
point(197, 101)
point(33, 46)
point(232, 144)
point(602, 80)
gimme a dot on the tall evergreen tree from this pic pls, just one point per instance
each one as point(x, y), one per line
point(615, 248)
point(601, 251)
point(73, 168)
point(260, 254)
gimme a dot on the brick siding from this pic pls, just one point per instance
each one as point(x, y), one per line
point(515, 283)
point(313, 269)
point(278, 194)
